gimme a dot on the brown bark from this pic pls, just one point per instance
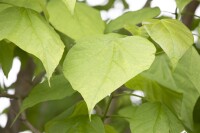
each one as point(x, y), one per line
point(188, 14)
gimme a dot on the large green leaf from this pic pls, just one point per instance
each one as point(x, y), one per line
point(182, 3)
point(60, 88)
point(70, 5)
point(85, 21)
point(29, 31)
point(133, 18)
point(40, 114)
point(172, 36)
point(75, 120)
point(32, 4)
point(184, 79)
point(6, 56)
point(152, 118)
point(97, 66)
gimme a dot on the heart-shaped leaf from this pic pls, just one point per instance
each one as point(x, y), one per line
point(97, 66)
point(30, 32)
point(172, 36)
point(152, 118)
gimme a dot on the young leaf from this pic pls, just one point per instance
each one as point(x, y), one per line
point(6, 56)
point(84, 22)
point(97, 66)
point(32, 4)
point(152, 118)
point(70, 5)
point(75, 120)
point(172, 36)
point(60, 88)
point(132, 18)
point(29, 31)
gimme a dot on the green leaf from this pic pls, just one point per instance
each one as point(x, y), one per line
point(172, 36)
point(196, 116)
point(60, 88)
point(136, 31)
point(75, 120)
point(97, 66)
point(4, 6)
point(152, 118)
point(156, 92)
point(184, 79)
point(182, 3)
point(70, 5)
point(29, 31)
point(6, 56)
point(109, 129)
point(41, 113)
point(32, 4)
point(132, 18)
point(85, 21)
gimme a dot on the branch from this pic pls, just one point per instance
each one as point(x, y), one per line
point(38, 78)
point(189, 11)
point(23, 86)
point(8, 96)
point(28, 124)
point(129, 94)
point(147, 4)
point(107, 6)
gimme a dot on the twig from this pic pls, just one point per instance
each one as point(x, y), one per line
point(38, 78)
point(8, 96)
point(117, 116)
point(28, 124)
point(24, 120)
point(107, 107)
point(185, 13)
point(129, 94)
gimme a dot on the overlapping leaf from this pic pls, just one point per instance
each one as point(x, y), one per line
point(136, 31)
point(29, 31)
point(152, 118)
point(109, 129)
point(162, 84)
point(157, 92)
point(75, 120)
point(60, 88)
point(32, 4)
point(70, 5)
point(172, 36)
point(6, 56)
point(85, 21)
point(132, 18)
point(97, 66)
